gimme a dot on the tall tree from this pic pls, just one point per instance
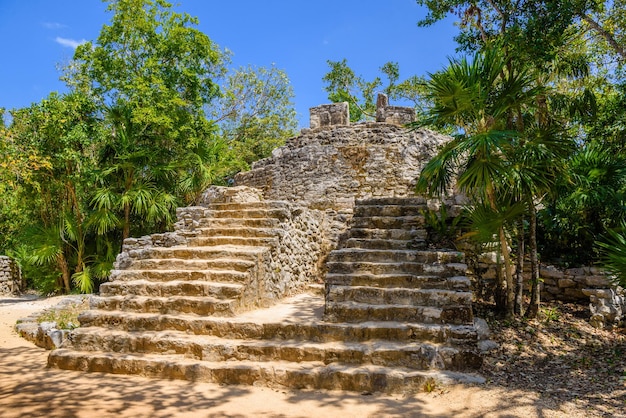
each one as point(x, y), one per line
point(153, 72)
point(255, 112)
point(59, 133)
point(344, 85)
point(477, 98)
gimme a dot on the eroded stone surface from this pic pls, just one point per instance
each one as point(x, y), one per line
point(185, 304)
point(10, 277)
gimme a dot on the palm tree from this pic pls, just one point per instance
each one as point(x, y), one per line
point(481, 99)
point(134, 178)
point(537, 160)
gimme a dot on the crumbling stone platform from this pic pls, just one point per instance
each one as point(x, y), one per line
point(225, 297)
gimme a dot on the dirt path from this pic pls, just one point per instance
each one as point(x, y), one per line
point(28, 388)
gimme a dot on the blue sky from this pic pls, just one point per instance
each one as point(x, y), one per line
point(294, 35)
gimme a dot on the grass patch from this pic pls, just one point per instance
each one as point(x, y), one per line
point(65, 317)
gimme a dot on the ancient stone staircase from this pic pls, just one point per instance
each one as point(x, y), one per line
point(394, 312)
point(383, 270)
point(219, 270)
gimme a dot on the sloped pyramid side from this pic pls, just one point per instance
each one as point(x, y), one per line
point(340, 198)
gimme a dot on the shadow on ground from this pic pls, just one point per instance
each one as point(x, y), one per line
point(29, 388)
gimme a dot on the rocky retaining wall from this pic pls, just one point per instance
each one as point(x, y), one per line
point(329, 168)
point(10, 277)
point(293, 263)
point(607, 301)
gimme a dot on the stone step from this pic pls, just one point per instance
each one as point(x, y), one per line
point(206, 241)
point(249, 213)
point(413, 355)
point(397, 296)
point(388, 234)
point(237, 231)
point(459, 283)
point(397, 256)
point(227, 276)
point(311, 375)
point(391, 201)
point(200, 253)
point(204, 305)
point(361, 312)
point(420, 269)
point(367, 211)
point(263, 204)
point(314, 331)
point(185, 265)
point(172, 288)
point(384, 244)
point(238, 223)
point(388, 222)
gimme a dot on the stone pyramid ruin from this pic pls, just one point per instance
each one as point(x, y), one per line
point(313, 271)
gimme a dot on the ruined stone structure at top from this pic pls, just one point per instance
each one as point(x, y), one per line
point(334, 114)
point(335, 206)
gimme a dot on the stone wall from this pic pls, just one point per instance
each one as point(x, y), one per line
point(328, 115)
point(569, 284)
point(294, 262)
point(607, 301)
point(328, 169)
point(10, 277)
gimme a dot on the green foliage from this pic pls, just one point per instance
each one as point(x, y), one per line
point(65, 318)
point(53, 145)
point(550, 314)
point(443, 231)
point(528, 28)
point(612, 247)
point(154, 60)
point(130, 142)
point(590, 200)
point(343, 85)
point(44, 278)
point(430, 385)
point(255, 113)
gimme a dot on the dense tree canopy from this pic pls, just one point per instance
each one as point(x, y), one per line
point(153, 117)
point(574, 52)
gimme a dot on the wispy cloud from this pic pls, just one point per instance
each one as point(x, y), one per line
point(70, 43)
point(53, 25)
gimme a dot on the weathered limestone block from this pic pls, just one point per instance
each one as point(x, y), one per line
point(10, 276)
point(551, 272)
point(597, 281)
point(329, 115)
point(566, 283)
point(608, 306)
point(238, 194)
point(328, 169)
point(396, 115)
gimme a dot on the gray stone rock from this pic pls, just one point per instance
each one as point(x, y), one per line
point(486, 346)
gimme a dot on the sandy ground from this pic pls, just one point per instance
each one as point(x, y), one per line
point(29, 389)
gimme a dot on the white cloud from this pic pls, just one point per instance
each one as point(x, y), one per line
point(53, 25)
point(70, 43)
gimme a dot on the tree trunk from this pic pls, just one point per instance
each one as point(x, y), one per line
point(608, 37)
point(65, 273)
point(519, 273)
point(80, 237)
point(535, 293)
point(508, 275)
point(506, 257)
point(126, 231)
point(499, 295)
